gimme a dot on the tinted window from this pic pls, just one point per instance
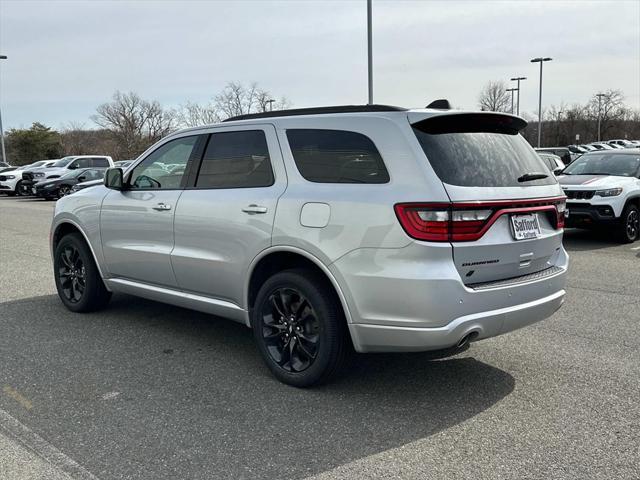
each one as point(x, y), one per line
point(605, 164)
point(336, 156)
point(100, 162)
point(480, 153)
point(164, 168)
point(81, 163)
point(236, 160)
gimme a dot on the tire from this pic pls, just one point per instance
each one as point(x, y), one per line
point(19, 190)
point(629, 227)
point(319, 328)
point(77, 278)
point(63, 191)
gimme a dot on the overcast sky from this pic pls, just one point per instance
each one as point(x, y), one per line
point(67, 57)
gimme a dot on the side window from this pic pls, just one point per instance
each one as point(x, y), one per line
point(236, 160)
point(81, 163)
point(164, 168)
point(336, 156)
point(99, 162)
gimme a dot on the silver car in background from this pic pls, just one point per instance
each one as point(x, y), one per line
point(372, 228)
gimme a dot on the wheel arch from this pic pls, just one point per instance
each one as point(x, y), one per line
point(280, 258)
point(66, 227)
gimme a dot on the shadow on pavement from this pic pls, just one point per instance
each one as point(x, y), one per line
point(145, 390)
point(577, 240)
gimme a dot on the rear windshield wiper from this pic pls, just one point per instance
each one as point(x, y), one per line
point(527, 177)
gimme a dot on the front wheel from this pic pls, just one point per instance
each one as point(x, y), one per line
point(22, 190)
point(63, 191)
point(629, 228)
point(77, 278)
point(299, 327)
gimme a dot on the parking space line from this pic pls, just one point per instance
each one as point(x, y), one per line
point(17, 396)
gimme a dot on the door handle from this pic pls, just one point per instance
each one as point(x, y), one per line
point(162, 206)
point(253, 209)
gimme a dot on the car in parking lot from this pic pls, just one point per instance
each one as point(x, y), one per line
point(59, 187)
point(553, 162)
point(563, 152)
point(11, 179)
point(603, 190)
point(62, 167)
point(623, 143)
point(328, 229)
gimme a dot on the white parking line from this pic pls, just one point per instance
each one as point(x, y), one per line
point(635, 248)
point(32, 443)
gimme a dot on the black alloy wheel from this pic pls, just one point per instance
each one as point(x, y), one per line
point(632, 224)
point(299, 327)
point(63, 191)
point(290, 329)
point(71, 274)
point(78, 280)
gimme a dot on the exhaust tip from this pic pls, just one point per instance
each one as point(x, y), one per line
point(467, 339)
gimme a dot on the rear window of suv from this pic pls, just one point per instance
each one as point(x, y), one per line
point(479, 150)
point(336, 156)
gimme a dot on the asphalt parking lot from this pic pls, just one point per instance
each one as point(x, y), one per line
point(144, 390)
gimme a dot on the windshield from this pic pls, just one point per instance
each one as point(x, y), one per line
point(473, 150)
point(620, 164)
point(63, 162)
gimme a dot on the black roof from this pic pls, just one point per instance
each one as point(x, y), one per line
point(319, 111)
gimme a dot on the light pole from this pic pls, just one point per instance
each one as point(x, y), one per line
point(518, 102)
point(270, 102)
point(540, 60)
point(370, 51)
point(4, 153)
point(599, 95)
point(511, 90)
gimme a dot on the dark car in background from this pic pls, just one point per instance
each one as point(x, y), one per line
point(59, 187)
point(563, 152)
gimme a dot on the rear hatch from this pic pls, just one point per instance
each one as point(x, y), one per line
point(506, 210)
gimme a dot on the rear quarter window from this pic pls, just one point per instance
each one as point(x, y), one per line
point(336, 156)
point(472, 150)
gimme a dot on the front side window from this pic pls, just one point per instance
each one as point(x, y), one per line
point(236, 160)
point(336, 156)
point(81, 163)
point(164, 168)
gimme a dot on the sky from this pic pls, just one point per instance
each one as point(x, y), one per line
point(67, 57)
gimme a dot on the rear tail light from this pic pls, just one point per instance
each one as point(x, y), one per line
point(464, 222)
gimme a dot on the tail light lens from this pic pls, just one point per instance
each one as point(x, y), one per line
point(464, 222)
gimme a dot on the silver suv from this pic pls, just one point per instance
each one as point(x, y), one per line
point(372, 228)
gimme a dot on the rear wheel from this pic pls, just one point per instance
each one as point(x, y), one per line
point(299, 327)
point(629, 228)
point(77, 278)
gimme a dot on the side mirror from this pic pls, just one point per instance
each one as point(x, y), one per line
point(81, 178)
point(113, 179)
point(73, 166)
point(558, 171)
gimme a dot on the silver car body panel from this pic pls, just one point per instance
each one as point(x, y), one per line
point(398, 294)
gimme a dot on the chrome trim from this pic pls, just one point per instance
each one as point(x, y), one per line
point(179, 298)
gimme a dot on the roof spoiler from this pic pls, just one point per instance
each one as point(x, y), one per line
point(471, 122)
point(440, 104)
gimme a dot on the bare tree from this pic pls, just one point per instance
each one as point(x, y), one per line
point(609, 107)
point(135, 123)
point(235, 99)
point(494, 97)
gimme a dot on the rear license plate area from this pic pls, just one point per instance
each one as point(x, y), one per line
point(525, 226)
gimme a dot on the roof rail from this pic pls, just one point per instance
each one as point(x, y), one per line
point(318, 111)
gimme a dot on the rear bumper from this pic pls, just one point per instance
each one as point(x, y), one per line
point(413, 299)
point(385, 338)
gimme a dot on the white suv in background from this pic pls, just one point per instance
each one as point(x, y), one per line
point(328, 229)
point(603, 190)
